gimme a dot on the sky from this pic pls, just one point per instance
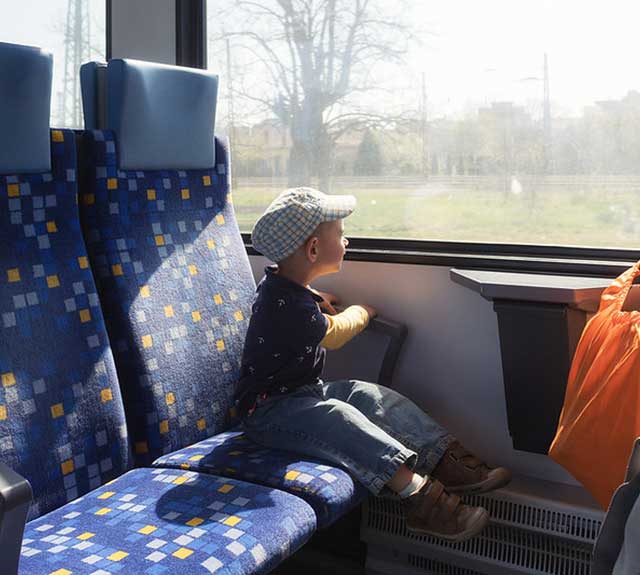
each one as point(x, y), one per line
point(471, 52)
point(483, 50)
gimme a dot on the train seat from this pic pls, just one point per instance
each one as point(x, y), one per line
point(175, 280)
point(62, 419)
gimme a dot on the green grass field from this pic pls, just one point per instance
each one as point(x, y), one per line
point(581, 211)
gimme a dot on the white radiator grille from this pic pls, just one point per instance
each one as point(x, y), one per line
point(568, 525)
point(526, 535)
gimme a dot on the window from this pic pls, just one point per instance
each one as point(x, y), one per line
point(73, 31)
point(487, 121)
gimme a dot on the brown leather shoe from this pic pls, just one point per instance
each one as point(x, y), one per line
point(432, 511)
point(462, 472)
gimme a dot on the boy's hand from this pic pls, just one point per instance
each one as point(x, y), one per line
point(327, 305)
point(370, 310)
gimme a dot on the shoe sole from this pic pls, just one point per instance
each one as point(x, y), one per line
point(473, 531)
point(496, 481)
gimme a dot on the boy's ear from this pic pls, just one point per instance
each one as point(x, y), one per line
point(311, 249)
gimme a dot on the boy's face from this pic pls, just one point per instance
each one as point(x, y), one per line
point(332, 246)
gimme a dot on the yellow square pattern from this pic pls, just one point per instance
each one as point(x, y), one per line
point(220, 219)
point(8, 379)
point(231, 521)
point(51, 227)
point(89, 199)
point(220, 345)
point(57, 136)
point(117, 556)
point(85, 315)
point(13, 275)
point(160, 240)
point(180, 480)
point(193, 270)
point(3, 412)
point(151, 194)
point(195, 316)
point(206, 180)
point(106, 395)
point(238, 315)
point(201, 423)
point(147, 341)
point(182, 553)
point(116, 269)
point(13, 190)
point(141, 447)
point(145, 291)
point(61, 572)
point(103, 511)
point(211, 244)
point(164, 426)
point(86, 535)
point(184, 193)
point(194, 522)
point(67, 466)
point(106, 495)
point(168, 311)
point(147, 529)
point(196, 457)
point(170, 398)
point(57, 410)
point(53, 281)
point(226, 488)
point(112, 184)
point(83, 262)
point(217, 299)
point(291, 475)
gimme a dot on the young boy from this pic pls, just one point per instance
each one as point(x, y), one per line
point(382, 438)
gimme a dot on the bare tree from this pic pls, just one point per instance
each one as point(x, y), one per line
point(320, 59)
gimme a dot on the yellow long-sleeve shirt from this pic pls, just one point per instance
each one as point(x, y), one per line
point(344, 326)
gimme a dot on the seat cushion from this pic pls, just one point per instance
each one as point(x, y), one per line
point(162, 521)
point(328, 489)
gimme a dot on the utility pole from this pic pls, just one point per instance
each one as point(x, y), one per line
point(231, 127)
point(423, 129)
point(77, 51)
point(546, 122)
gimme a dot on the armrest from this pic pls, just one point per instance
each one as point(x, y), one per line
point(397, 333)
point(15, 498)
point(371, 356)
point(611, 537)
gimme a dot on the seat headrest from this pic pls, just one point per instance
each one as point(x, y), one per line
point(163, 116)
point(25, 107)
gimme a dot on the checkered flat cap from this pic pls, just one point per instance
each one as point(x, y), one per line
point(293, 216)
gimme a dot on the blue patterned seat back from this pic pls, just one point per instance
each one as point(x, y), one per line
point(62, 422)
point(176, 287)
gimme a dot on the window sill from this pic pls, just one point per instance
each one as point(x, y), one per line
point(558, 260)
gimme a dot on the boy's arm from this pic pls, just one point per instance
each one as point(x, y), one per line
point(344, 325)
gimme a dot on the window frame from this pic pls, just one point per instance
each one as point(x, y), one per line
point(524, 258)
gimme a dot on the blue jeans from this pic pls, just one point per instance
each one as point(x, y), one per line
point(368, 429)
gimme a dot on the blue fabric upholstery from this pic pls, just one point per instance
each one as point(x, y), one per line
point(153, 522)
point(62, 422)
point(163, 115)
point(329, 490)
point(25, 95)
point(176, 287)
